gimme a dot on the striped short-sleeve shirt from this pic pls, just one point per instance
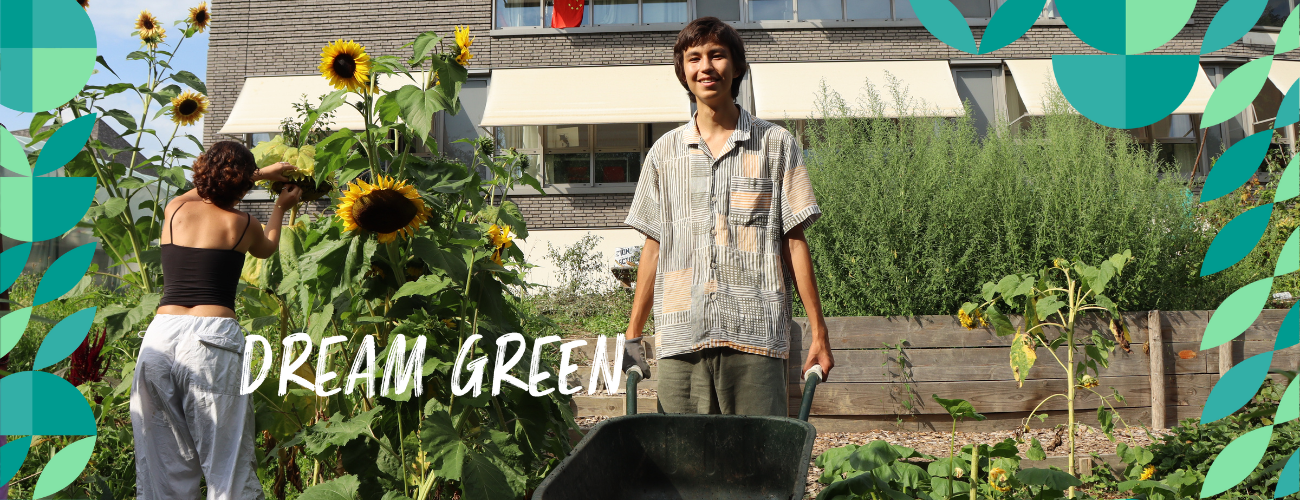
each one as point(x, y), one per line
point(719, 220)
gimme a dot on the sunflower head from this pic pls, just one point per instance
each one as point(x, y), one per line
point(387, 208)
point(965, 319)
point(1149, 471)
point(188, 107)
point(500, 236)
point(998, 479)
point(148, 25)
point(462, 45)
point(200, 17)
point(346, 65)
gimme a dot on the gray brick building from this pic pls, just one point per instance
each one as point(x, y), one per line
point(587, 145)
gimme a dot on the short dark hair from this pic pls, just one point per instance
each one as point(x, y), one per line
point(224, 172)
point(705, 30)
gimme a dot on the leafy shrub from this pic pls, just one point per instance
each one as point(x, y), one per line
point(919, 211)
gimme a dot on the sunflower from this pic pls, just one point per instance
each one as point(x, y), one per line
point(998, 479)
point(500, 240)
point(148, 25)
point(188, 107)
point(387, 207)
point(346, 65)
point(463, 42)
point(965, 319)
point(200, 17)
point(1147, 473)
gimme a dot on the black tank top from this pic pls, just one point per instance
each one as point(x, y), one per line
point(200, 276)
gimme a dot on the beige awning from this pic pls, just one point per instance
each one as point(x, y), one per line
point(607, 94)
point(1034, 78)
point(790, 90)
point(266, 100)
point(1283, 74)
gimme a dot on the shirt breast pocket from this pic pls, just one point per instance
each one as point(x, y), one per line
point(750, 201)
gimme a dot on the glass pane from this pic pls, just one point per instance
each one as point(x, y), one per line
point(618, 167)
point(614, 12)
point(567, 136)
point(1275, 13)
point(726, 10)
point(771, 10)
point(657, 130)
point(663, 11)
point(550, 7)
point(903, 10)
point(973, 8)
point(1049, 10)
point(976, 87)
point(259, 138)
point(521, 138)
point(868, 9)
point(618, 136)
point(511, 13)
point(571, 168)
point(820, 10)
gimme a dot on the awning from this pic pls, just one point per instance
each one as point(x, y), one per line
point(1035, 76)
point(266, 100)
point(1283, 74)
point(608, 94)
point(790, 90)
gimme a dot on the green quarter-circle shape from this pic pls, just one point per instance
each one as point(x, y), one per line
point(41, 403)
point(1125, 27)
point(1138, 90)
point(40, 208)
point(48, 49)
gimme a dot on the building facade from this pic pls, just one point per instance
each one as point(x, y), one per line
point(587, 102)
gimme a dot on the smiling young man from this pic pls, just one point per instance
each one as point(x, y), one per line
point(723, 202)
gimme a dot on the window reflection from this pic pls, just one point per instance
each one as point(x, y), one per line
point(614, 12)
point(868, 9)
point(726, 10)
point(663, 11)
point(820, 10)
point(771, 10)
point(903, 10)
point(515, 13)
point(1275, 13)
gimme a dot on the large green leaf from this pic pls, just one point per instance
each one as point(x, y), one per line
point(1050, 478)
point(958, 408)
point(424, 286)
point(189, 79)
point(442, 442)
point(338, 430)
point(873, 455)
point(343, 488)
point(484, 480)
point(418, 107)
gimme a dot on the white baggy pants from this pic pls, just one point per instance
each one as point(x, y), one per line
point(187, 415)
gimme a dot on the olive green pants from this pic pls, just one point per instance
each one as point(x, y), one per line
point(723, 380)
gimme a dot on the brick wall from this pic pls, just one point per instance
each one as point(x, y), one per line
point(578, 211)
point(262, 209)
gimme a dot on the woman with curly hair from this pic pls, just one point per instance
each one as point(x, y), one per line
point(188, 416)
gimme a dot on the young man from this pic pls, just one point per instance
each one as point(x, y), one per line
point(723, 202)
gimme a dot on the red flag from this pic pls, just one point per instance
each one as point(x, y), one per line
point(567, 14)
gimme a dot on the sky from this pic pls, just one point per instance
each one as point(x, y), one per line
point(114, 20)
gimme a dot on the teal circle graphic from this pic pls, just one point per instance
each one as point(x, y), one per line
point(48, 52)
point(1138, 91)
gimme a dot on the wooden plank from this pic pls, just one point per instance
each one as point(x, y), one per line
point(994, 397)
point(984, 363)
point(1225, 358)
point(1155, 339)
point(996, 421)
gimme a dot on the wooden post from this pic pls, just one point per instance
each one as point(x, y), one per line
point(1156, 347)
point(1225, 358)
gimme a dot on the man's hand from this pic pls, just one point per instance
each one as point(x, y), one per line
point(275, 172)
point(634, 355)
point(819, 353)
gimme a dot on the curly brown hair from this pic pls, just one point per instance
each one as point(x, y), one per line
point(705, 30)
point(224, 172)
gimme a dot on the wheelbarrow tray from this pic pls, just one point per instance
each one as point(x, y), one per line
point(680, 456)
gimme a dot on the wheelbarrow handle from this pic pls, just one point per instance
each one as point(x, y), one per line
point(634, 376)
point(811, 378)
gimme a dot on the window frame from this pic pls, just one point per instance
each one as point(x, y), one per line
point(643, 133)
point(1001, 112)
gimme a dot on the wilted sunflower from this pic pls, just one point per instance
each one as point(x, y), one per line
point(387, 208)
point(200, 17)
point(346, 65)
point(189, 107)
point(998, 479)
point(155, 40)
point(462, 43)
point(148, 25)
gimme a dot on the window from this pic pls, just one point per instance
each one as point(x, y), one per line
point(980, 88)
point(584, 155)
point(537, 13)
point(1275, 12)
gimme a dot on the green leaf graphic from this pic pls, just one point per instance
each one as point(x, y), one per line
point(1288, 260)
point(12, 263)
point(1289, 39)
point(64, 468)
point(1289, 186)
point(1148, 25)
point(12, 456)
point(1236, 92)
point(1237, 165)
point(12, 326)
point(946, 23)
point(1289, 408)
point(64, 274)
point(1237, 387)
point(1236, 461)
point(12, 156)
point(1289, 482)
point(65, 144)
point(1237, 238)
point(1289, 334)
point(1233, 21)
point(1236, 313)
point(64, 338)
point(1011, 20)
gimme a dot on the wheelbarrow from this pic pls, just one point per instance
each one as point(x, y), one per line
point(656, 456)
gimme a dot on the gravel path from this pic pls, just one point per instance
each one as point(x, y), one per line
point(1087, 440)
